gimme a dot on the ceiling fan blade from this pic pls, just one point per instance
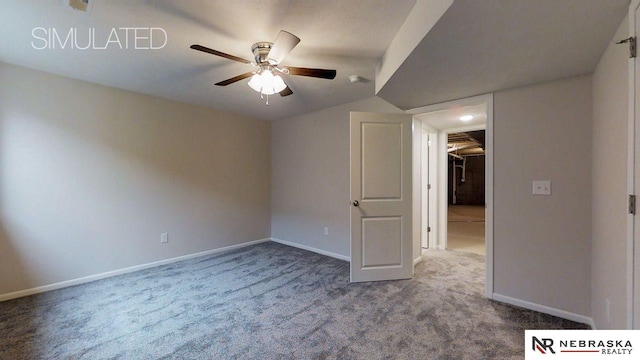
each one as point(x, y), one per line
point(286, 92)
point(318, 73)
point(234, 79)
point(219, 53)
point(285, 42)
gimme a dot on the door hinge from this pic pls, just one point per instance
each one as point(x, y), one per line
point(632, 204)
point(428, 228)
point(632, 46)
point(428, 186)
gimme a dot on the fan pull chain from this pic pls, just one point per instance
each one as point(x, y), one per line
point(262, 97)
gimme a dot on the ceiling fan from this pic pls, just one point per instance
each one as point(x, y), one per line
point(265, 79)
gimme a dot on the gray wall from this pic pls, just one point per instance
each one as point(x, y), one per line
point(310, 176)
point(543, 243)
point(610, 98)
point(92, 175)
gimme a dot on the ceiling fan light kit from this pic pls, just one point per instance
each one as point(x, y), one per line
point(266, 83)
point(268, 57)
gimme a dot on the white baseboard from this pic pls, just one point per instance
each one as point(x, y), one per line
point(544, 309)
point(312, 249)
point(417, 260)
point(86, 279)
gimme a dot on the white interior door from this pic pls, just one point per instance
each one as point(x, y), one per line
point(381, 242)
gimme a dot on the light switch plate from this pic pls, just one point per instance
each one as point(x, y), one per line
point(542, 187)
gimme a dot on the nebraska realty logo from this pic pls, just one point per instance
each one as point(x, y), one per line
point(580, 344)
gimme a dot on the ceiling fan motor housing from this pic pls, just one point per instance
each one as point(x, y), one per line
point(261, 51)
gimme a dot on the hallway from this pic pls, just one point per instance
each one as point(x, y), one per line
point(466, 229)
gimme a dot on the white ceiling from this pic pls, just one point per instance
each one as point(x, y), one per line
point(480, 46)
point(349, 36)
point(450, 118)
point(476, 47)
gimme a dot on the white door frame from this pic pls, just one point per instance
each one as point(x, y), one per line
point(631, 164)
point(488, 99)
point(429, 166)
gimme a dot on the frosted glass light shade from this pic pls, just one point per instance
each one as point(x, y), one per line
point(266, 83)
point(278, 84)
point(256, 83)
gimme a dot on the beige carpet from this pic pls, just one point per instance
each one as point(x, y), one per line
point(466, 229)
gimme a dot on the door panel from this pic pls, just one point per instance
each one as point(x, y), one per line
point(382, 242)
point(381, 161)
point(381, 189)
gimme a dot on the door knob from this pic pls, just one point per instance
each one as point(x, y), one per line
point(356, 203)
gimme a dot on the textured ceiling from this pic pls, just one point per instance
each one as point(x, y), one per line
point(476, 47)
point(450, 118)
point(479, 47)
point(349, 36)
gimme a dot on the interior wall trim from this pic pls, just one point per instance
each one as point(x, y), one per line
point(583, 319)
point(417, 260)
point(631, 177)
point(312, 249)
point(104, 275)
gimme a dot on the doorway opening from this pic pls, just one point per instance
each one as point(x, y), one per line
point(466, 192)
point(454, 151)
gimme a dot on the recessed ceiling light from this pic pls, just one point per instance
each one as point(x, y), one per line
point(466, 117)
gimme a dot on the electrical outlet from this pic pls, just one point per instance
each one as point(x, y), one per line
point(607, 310)
point(164, 238)
point(326, 231)
point(542, 187)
